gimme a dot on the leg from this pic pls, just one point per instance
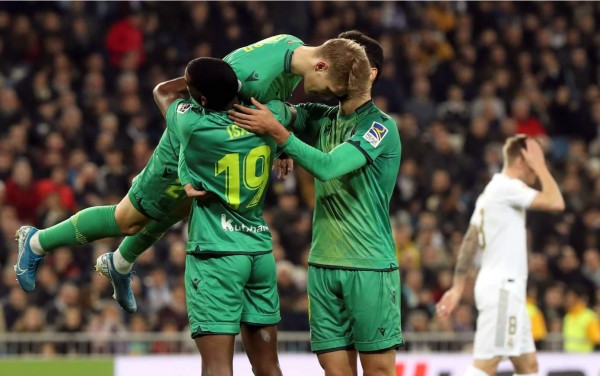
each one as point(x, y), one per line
point(525, 364)
point(331, 336)
point(338, 363)
point(373, 300)
point(379, 363)
point(484, 367)
point(133, 246)
point(216, 352)
point(261, 347)
point(260, 316)
point(84, 227)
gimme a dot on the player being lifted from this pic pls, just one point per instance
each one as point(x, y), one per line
point(269, 69)
point(353, 278)
point(497, 227)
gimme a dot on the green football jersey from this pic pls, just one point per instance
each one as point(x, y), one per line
point(264, 71)
point(264, 68)
point(233, 164)
point(165, 158)
point(351, 222)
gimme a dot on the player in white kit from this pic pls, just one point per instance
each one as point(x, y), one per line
point(497, 228)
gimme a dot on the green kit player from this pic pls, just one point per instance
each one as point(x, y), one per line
point(353, 278)
point(230, 275)
point(156, 199)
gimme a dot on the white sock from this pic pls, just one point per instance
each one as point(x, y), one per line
point(123, 266)
point(474, 371)
point(36, 247)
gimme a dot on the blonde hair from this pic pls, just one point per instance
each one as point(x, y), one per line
point(348, 65)
point(512, 148)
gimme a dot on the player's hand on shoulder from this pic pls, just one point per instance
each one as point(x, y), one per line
point(257, 120)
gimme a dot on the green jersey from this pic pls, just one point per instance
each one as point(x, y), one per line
point(265, 68)
point(351, 223)
point(233, 164)
point(165, 158)
point(264, 72)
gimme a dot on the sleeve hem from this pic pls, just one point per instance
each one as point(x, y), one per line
point(356, 144)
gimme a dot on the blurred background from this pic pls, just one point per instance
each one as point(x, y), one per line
point(77, 123)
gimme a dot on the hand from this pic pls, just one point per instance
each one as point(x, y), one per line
point(534, 155)
point(259, 120)
point(448, 303)
point(283, 166)
point(198, 195)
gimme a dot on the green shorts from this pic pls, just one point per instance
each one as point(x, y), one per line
point(354, 309)
point(224, 291)
point(156, 196)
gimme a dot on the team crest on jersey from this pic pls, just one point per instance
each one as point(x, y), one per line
point(375, 134)
point(182, 108)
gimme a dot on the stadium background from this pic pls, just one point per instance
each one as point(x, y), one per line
point(77, 122)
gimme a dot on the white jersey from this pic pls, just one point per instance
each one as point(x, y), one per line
point(500, 218)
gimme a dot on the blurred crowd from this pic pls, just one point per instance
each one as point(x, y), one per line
point(77, 122)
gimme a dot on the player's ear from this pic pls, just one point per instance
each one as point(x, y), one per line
point(373, 74)
point(321, 66)
point(203, 100)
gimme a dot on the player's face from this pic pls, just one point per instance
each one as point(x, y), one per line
point(318, 82)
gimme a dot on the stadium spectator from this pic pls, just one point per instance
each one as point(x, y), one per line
point(581, 328)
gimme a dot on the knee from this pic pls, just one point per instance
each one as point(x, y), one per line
point(266, 369)
point(333, 371)
point(217, 371)
point(129, 229)
point(379, 371)
point(531, 366)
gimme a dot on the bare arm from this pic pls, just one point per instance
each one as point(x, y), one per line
point(550, 198)
point(466, 255)
point(168, 92)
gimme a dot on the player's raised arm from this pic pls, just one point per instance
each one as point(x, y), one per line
point(550, 198)
point(466, 255)
point(168, 92)
point(324, 166)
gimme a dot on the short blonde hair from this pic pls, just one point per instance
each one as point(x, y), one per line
point(512, 148)
point(348, 65)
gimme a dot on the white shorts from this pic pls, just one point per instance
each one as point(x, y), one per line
point(503, 325)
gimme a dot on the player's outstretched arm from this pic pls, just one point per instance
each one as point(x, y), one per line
point(168, 92)
point(324, 166)
point(550, 198)
point(466, 255)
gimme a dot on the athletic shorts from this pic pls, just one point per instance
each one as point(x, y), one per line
point(503, 325)
point(156, 196)
point(224, 291)
point(354, 309)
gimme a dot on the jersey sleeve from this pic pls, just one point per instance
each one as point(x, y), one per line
point(308, 119)
point(518, 194)
point(374, 138)
point(171, 115)
point(281, 111)
point(325, 166)
point(180, 106)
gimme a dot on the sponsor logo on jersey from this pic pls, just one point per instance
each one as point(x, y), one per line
point(227, 225)
point(376, 134)
point(182, 108)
